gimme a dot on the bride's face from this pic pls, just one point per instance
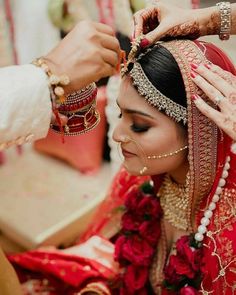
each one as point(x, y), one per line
point(143, 131)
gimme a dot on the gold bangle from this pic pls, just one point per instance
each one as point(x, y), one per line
point(56, 83)
point(225, 20)
point(98, 288)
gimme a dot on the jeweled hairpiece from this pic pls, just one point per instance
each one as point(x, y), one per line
point(145, 88)
point(154, 97)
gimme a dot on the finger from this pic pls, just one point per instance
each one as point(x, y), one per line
point(209, 90)
point(223, 122)
point(110, 42)
point(107, 71)
point(208, 111)
point(63, 119)
point(110, 57)
point(227, 76)
point(142, 19)
point(214, 79)
point(102, 28)
point(157, 33)
point(138, 23)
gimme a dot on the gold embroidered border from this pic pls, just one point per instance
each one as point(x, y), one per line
point(202, 133)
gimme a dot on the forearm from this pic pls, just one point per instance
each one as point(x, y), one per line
point(25, 105)
point(209, 20)
point(9, 283)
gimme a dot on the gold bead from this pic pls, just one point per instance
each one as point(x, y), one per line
point(59, 91)
point(64, 80)
point(67, 129)
point(45, 67)
point(54, 80)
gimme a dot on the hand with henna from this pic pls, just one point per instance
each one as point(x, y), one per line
point(162, 21)
point(220, 87)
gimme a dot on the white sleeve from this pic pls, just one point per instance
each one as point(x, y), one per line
point(25, 106)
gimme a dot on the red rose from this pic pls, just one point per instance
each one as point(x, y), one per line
point(188, 290)
point(118, 255)
point(190, 255)
point(133, 249)
point(182, 267)
point(132, 198)
point(171, 276)
point(149, 205)
point(135, 278)
point(151, 231)
point(131, 222)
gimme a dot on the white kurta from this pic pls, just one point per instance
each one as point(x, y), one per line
point(25, 106)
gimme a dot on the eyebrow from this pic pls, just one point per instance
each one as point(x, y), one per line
point(130, 111)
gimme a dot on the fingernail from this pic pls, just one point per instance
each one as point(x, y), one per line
point(144, 43)
point(193, 74)
point(208, 66)
point(194, 66)
point(194, 97)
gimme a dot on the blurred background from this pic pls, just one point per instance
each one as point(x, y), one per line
point(49, 190)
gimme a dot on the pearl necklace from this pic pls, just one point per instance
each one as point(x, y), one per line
point(205, 221)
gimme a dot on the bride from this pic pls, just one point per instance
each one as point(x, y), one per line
point(178, 193)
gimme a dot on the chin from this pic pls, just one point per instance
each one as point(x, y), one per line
point(131, 171)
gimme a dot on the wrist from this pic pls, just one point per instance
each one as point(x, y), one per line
point(209, 20)
point(58, 70)
point(77, 77)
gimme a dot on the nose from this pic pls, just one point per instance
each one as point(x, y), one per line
point(119, 135)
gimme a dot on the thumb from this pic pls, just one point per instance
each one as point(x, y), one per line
point(156, 34)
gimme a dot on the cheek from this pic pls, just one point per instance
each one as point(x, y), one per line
point(160, 142)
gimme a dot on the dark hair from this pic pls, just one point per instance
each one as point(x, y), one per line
point(163, 72)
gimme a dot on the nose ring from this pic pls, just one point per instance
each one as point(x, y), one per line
point(125, 139)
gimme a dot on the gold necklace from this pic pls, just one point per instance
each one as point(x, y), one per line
point(174, 200)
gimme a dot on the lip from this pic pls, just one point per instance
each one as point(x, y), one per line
point(127, 154)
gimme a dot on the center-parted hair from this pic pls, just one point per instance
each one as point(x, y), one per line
point(163, 72)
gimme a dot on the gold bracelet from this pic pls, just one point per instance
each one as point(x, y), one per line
point(225, 20)
point(96, 287)
point(56, 83)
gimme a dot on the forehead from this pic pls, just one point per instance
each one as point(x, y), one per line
point(130, 98)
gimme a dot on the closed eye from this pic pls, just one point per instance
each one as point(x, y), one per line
point(139, 128)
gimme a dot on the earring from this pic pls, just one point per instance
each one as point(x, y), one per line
point(142, 171)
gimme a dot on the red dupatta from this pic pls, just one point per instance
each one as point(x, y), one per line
point(209, 148)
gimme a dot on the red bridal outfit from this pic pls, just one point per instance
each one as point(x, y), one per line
point(207, 266)
point(212, 179)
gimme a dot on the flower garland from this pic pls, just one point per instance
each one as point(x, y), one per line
point(183, 273)
point(136, 246)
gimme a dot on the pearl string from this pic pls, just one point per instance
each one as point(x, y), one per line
point(205, 221)
point(168, 154)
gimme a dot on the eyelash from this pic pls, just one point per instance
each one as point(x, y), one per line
point(135, 127)
point(138, 128)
